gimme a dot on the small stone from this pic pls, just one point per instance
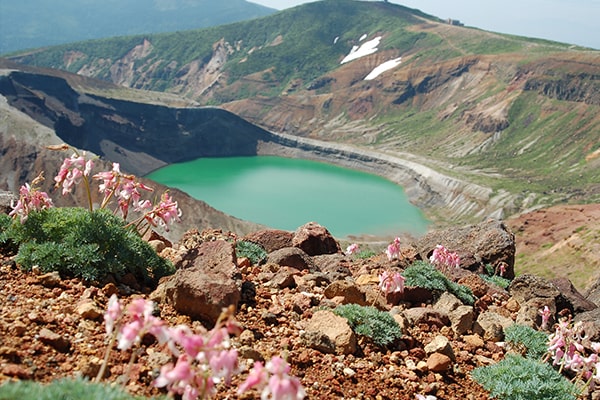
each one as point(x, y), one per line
point(50, 280)
point(438, 362)
point(19, 328)
point(54, 340)
point(349, 372)
point(473, 340)
point(89, 310)
point(15, 371)
point(90, 367)
point(246, 337)
point(109, 289)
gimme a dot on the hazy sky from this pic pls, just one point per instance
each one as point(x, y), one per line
point(569, 21)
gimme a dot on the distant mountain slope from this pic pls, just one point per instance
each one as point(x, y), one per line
point(37, 23)
point(516, 115)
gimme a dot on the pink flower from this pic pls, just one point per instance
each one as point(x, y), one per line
point(353, 248)
point(281, 385)
point(545, 313)
point(71, 172)
point(179, 375)
point(391, 282)
point(393, 250)
point(258, 377)
point(113, 312)
point(442, 257)
point(164, 213)
point(223, 365)
point(30, 199)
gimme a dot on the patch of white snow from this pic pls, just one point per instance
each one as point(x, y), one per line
point(365, 49)
point(363, 37)
point(386, 66)
point(336, 39)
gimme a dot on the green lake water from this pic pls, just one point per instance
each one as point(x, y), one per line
point(286, 193)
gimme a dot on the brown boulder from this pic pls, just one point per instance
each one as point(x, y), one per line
point(315, 240)
point(271, 239)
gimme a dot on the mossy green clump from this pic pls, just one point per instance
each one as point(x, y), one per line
point(496, 280)
point(63, 389)
point(423, 274)
point(535, 343)
point(377, 325)
point(90, 245)
point(253, 251)
point(520, 378)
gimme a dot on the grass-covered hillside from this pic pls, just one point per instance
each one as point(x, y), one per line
point(519, 116)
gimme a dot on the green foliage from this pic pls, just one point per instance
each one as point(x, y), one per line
point(519, 378)
point(423, 274)
point(365, 254)
point(378, 325)
point(253, 251)
point(5, 241)
point(496, 280)
point(89, 245)
point(535, 342)
point(64, 389)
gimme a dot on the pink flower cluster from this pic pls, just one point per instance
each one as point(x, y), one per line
point(391, 282)
point(352, 249)
point(203, 360)
point(30, 198)
point(72, 170)
point(279, 385)
point(442, 257)
point(126, 189)
point(567, 350)
point(393, 250)
point(546, 314)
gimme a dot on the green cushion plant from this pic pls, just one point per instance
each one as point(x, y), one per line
point(423, 274)
point(377, 325)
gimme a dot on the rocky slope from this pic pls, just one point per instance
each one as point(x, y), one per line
point(52, 327)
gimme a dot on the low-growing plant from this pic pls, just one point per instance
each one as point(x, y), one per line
point(534, 342)
point(519, 378)
point(63, 389)
point(90, 245)
point(377, 325)
point(423, 274)
point(253, 251)
point(496, 280)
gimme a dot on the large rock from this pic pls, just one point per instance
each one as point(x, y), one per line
point(291, 257)
point(315, 240)
point(593, 292)
point(578, 302)
point(271, 239)
point(490, 242)
point(330, 333)
point(210, 282)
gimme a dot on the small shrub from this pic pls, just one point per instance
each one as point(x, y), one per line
point(496, 280)
point(377, 325)
point(89, 245)
point(519, 378)
point(365, 254)
point(534, 342)
point(253, 251)
point(422, 274)
point(64, 389)
point(6, 243)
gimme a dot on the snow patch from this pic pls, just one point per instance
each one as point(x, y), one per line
point(386, 66)
point(363, 37)
point(336, 39)
point(365, 49)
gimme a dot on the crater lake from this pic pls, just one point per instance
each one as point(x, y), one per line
point(286, 193)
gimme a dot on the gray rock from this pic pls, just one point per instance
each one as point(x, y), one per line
point(425, 315)
point(290, 257)
point(591, 324)
point(58, 342)
point(335, 266)
point(461, 319)
point(490, 242)
point(578, 302)
point(490, 326)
